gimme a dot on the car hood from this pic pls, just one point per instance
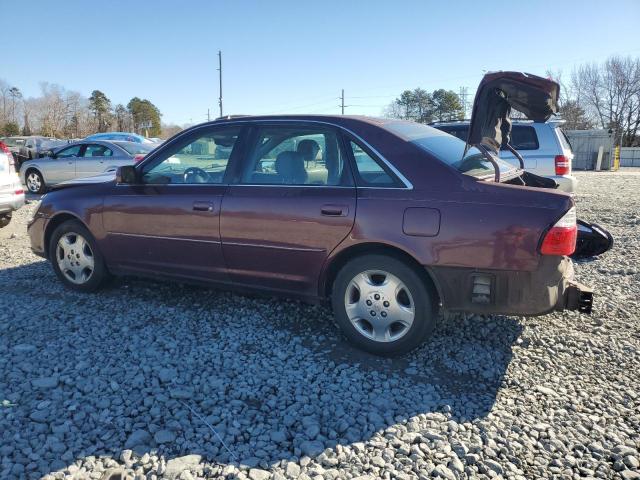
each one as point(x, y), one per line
point(105, 177)
point(498, 93)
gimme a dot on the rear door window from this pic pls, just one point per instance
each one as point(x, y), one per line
point(369, 171)
point(295, 155)
point(94, 150)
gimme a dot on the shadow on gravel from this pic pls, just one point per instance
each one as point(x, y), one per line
point(91, 375)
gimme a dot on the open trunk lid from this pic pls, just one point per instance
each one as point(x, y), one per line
point(498, 93)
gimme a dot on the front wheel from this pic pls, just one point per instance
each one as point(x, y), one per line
point(35, 182)
point(383, 305)
point(76, 259)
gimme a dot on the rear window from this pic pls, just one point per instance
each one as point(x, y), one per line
point(136, 148)
point(564, 141)
point(448, 149)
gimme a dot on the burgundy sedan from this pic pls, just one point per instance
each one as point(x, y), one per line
point(389, 220)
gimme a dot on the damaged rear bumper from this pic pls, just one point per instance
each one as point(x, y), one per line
point(549, 288)
point(577, 297)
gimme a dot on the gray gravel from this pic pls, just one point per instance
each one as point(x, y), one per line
point(149, 379)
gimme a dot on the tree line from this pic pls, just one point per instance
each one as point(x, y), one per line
point(597, 95)
point(62, 113)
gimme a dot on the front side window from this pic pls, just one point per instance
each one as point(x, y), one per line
point(94, 150)
point(369, 171)
point(69, 152)
point(290, 155)
point(199, 160)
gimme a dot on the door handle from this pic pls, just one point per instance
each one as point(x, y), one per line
point(203, 206)
point(335, 210)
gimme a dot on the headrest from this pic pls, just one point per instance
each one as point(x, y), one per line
point(308, 148)
point(290, 166)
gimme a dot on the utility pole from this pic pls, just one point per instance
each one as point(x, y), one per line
point(220, 79)
point(342, 101)
point(463, 99)
point(208, 116)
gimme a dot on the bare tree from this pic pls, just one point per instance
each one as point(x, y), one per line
point(570, 108)
point(610, 92)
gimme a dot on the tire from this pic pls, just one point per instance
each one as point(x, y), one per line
point(5, 219)
point(84, 273)
point(382, 305)
point(34, 181)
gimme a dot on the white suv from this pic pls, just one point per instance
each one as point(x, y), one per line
point(543, 146)
point(11, 191)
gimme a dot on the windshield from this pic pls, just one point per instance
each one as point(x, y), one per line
point(448, 149)
point(136, 148)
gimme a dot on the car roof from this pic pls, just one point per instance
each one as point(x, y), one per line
point(515, 121)
point(336, 119)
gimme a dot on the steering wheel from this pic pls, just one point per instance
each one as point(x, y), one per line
point(195, 175)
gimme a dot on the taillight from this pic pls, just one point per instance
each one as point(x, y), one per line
point(12, 163)
point(560, 239)
point(19, 191)
point(563, 165)
point(138, 158)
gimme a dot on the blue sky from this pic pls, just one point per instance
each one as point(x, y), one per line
point(296, 56)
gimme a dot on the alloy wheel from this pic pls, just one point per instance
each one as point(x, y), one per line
point(34, 183)
point(379, 305)
point(75, 258)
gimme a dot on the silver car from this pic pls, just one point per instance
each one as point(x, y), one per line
point(543, 146)
point(81, 159)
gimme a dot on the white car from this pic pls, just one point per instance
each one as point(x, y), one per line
point(11, 191)
point(543, 146)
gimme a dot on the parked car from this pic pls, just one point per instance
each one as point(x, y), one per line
point(543, 146)
point(121, 136)
point(11, 191)
point(388, 220)
point(80, 159)
point(14, 143)
point(37, 147)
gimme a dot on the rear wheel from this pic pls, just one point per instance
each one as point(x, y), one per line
point(34, 181)
point(383, 305)
point(5, 219)
point(76, 259)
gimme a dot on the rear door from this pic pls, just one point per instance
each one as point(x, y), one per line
point(292, 203)
point(524, 138)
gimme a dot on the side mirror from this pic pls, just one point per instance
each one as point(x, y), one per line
point(126, 175)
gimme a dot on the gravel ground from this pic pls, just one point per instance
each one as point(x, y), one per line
point(152, 380)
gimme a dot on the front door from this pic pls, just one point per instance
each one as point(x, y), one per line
point(292, 203)
point(170, 222)
point(63, 167)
